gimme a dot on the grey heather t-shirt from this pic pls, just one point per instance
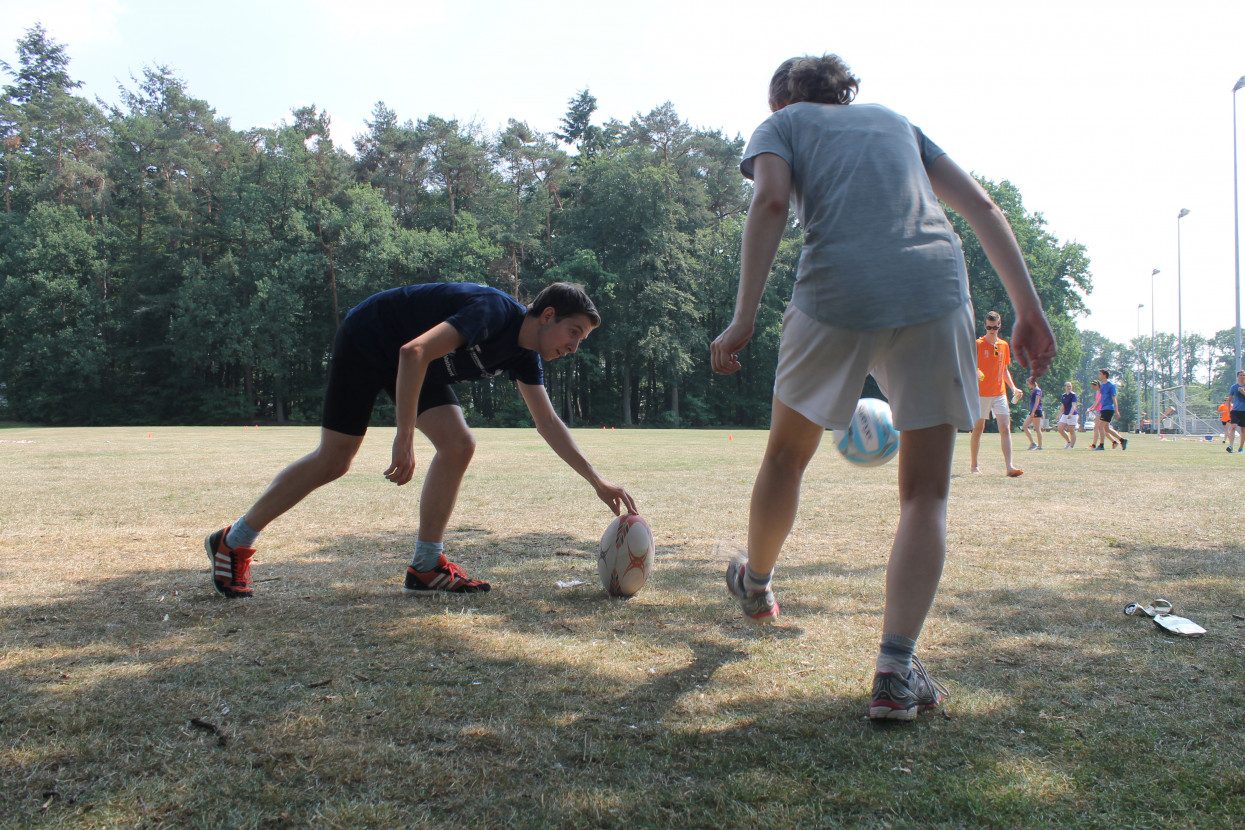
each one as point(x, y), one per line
point(878, 250)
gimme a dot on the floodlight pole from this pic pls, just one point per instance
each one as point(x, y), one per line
point(1236, 224)
point(1180, 324)
point(1140, 306)
point(1155, 421)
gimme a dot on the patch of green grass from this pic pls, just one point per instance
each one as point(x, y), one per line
point(132, 695)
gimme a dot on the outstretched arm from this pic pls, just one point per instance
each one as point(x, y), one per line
point(559, 438)
point(1032, 339)
point(763, 230)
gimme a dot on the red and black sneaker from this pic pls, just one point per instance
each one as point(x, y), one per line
point(231, 567)
point(446, 576)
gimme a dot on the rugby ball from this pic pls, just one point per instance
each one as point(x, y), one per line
point(870, 439)
point(626, 558)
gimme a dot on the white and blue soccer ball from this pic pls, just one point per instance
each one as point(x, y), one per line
point(871, 439)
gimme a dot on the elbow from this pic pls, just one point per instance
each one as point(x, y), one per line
point(412, 352)
point(981, 208)
point(770, 205)
point(545, 426)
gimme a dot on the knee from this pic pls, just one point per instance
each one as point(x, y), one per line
point(331, 466)
point(924, 496)
point(334, 468)
point(789, 460)
point(458, 452)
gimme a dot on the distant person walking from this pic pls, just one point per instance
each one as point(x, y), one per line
point(1091, 415)
point(1067, 416)
point(1106, 411)
point(1034, 419)
point(994, 358)
point(1237, 395)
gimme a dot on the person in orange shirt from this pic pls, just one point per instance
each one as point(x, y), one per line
point(1225, 415)
point(994, 378)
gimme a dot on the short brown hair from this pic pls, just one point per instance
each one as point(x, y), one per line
point(565, 298)
point(824, 80)
point(994, 316)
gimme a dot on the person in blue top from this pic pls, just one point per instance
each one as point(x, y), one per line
point(1034, 419)
point(414, 343)
point(1236, 411)
point(1106, 410)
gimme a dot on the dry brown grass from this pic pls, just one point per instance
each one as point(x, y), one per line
point(134, 696)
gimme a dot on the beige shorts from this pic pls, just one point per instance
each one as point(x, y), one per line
point(995, 405)
point(927, 371)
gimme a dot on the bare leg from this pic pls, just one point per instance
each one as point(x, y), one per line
point(328, 462)
point(446, 428)
point(793, 441)
point(974, 444)
point(1005, 437)
point(920, 546)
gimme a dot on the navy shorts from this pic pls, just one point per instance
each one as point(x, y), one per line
point(354, 382)
point(1238, 417)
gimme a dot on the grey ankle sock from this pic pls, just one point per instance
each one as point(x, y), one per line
point(756, 583)
point(241, 535)
point(895, 654)
point(427, 555)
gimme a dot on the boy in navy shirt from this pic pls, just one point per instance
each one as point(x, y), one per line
point(414, 343)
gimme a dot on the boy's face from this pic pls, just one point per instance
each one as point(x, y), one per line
point(992, 329)
point(558, 338)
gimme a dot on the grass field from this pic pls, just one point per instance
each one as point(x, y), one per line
point(131, 695)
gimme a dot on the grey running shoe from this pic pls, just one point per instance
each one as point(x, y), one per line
point(897, 698)
point(759, 608)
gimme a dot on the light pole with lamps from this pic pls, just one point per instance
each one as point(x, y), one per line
point(1155, 421)
point(1180, 323)
point(1140, 354)
point(1236, 225)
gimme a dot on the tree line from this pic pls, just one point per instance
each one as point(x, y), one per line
point(159, 266)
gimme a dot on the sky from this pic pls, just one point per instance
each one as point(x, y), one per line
point(1110, 117)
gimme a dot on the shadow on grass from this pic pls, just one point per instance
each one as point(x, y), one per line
point(331, 699)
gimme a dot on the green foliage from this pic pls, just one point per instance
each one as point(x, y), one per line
point(157, 265)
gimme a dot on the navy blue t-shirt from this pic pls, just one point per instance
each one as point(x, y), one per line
point(490, 320)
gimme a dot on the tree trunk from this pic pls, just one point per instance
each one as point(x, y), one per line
point(626, 394)
point(248, 381)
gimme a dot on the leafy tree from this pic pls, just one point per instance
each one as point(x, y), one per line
point(577, 129)
point(53, 316)
point(458, 163)
point(390, 156)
